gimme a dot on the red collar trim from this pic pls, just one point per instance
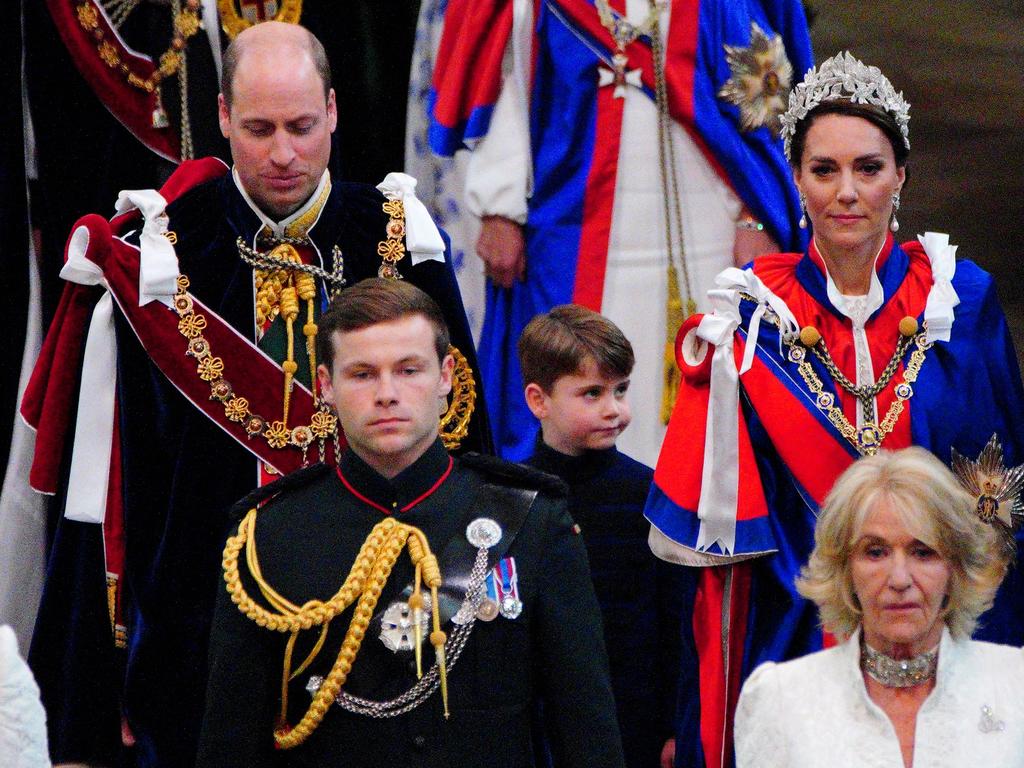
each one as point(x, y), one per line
point(407, 507)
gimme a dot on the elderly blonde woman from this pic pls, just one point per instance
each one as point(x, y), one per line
point(901, 570)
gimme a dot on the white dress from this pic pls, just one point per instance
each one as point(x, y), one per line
point(815, 711)
point(22, 719)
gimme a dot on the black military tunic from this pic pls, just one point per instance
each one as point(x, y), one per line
point(307, 538)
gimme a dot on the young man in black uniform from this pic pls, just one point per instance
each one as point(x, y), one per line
point(505, 616)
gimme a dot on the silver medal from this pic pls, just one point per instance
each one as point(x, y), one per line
point(483, 533)
point(396, 625)
point(511, 607)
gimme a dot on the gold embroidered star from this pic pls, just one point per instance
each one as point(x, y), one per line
point(760, 82)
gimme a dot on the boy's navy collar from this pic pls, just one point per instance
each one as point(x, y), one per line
point(407, 486)
point(571, 469)
point(890, 267)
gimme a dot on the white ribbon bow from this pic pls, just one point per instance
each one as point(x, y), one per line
point(719, 483)
point(717, 507)
point(158, 264)
point(422, 238)
point(94, 425)
point(942, 298)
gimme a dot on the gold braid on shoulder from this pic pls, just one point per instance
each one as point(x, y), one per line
point(363, 586)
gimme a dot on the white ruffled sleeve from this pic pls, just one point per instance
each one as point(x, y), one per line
point(758, 736)
point(22, 719)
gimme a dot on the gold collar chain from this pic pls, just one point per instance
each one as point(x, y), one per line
point(868, 438)
point(210, 369)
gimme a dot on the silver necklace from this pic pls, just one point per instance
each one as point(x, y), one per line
point(898, 673)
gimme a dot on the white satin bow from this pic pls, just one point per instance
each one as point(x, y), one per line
point(422, 238)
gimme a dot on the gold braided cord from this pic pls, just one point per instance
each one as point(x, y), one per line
point(363, 586)
point(680, 293)
point(305, 285)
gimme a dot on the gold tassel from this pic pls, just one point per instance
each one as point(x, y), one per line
point(289, 311)
point(674, 318)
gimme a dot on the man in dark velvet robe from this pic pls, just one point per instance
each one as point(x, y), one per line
point(180, 459)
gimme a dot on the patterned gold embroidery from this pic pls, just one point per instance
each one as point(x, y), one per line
point(236, 408)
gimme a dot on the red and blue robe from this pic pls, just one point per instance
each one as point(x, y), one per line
point(576, 131)
point(747, 611)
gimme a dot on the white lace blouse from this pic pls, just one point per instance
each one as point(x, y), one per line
point(815, 711)
point(22, 720)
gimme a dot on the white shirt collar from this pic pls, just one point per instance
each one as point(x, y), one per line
point(875, 295)
point(278, 227)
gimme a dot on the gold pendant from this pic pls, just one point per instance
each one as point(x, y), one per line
point(236, 15)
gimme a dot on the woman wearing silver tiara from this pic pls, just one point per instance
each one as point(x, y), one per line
point(808, 362)
point(901, 568)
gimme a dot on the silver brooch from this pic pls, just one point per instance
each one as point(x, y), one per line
point(396, 625)
point(988, 722)
point(483, 533)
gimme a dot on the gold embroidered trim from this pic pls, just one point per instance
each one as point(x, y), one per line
point(119, 631)
point(455, 421)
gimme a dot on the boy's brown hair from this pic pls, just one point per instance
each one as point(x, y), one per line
point(377, 300)
point(559, 342)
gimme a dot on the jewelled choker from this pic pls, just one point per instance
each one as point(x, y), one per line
point(898, 673)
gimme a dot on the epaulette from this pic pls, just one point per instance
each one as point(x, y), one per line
point(295, 479)
point(518, 475)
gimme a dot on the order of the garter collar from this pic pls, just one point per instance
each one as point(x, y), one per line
point(898, 673)
point(844, 77)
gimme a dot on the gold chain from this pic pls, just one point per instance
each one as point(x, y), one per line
point(868, 439)
point(210, 368)
point(865, 393)
point(185, 25)
point(365, 582)
point(392, 249)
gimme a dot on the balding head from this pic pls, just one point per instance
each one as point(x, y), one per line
point(278, 114)
point(277, 41)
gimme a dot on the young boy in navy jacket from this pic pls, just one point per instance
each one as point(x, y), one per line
point(576, 366)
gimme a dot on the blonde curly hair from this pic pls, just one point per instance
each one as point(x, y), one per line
point(935, 509)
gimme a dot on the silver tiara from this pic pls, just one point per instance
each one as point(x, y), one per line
point(844, 77)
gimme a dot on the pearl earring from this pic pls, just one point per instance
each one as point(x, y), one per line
point(803, 212)
point(895, 225)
